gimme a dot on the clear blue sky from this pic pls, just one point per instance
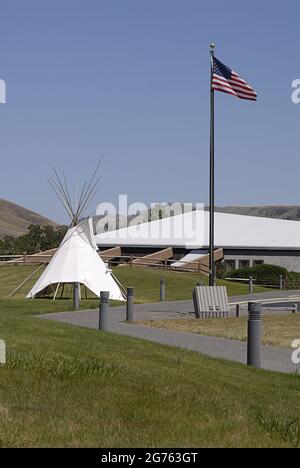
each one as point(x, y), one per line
point(129, 79)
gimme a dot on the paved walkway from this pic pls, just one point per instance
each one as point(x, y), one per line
point(275, 359)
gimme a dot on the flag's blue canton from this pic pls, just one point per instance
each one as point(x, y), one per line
point(221, 69)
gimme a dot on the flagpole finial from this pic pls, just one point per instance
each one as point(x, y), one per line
point(212, 47)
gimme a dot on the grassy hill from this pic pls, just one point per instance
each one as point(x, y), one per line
point(14, 219)
point(273, 211)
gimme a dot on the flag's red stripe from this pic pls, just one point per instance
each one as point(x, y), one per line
point(247, 98)
point(235, 88)
point(227, 84)
point(241, 82)
point(234, 84)
point(235, 75)
point(229, 90)
point(232, 91)
point(239, 95)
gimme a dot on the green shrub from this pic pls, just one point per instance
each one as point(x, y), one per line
point(267, 274)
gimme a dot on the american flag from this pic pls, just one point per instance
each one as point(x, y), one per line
point(227, 81)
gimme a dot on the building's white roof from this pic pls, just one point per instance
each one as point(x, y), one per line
point(76, 260)
point(191, 231)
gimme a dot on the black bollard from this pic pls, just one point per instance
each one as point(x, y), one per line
point(281, 282)
point(250, 285)
point(129, 305)
point(76, 300)
point(254, 334)
point(103, 311)
point(237, 310)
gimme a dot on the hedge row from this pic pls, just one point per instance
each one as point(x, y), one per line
point(268, 274)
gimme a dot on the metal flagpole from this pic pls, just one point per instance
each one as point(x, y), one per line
point(212, 176)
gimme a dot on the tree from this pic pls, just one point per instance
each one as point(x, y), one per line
point(38, 239)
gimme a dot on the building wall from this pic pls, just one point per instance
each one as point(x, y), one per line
point(289, 260)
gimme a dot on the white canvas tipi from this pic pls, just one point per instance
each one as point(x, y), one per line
point(77, 261)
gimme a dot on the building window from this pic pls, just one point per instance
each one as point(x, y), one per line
point(229, 265)
point(257, 262)
point(244, 264)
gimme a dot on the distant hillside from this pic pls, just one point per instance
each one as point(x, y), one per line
point(272, 211)
point(14, 219)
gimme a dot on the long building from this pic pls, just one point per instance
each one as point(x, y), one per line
point(245, 240)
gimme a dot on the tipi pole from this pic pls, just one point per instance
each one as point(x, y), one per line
point(123, 290)
point(25, 281)
point(56, 291)
point(212, 177)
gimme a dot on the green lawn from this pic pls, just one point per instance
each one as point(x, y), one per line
point(71, 387)
point(278, 330)
point(145, 281)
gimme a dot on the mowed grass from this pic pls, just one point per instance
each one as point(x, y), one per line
point(70, 387)
point(65, 386)
point(278, 330)
point(179, 286)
